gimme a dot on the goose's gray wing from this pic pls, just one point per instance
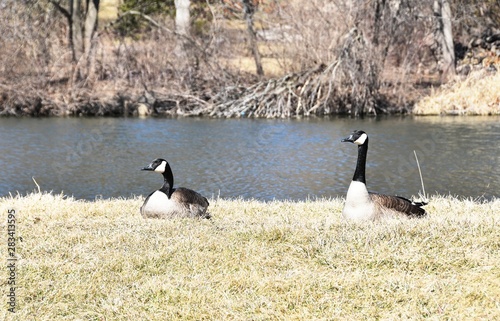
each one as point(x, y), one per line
point(192, 200)
point(188, 196)
point(400, 204)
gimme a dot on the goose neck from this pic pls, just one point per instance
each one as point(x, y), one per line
point(168, 181)
point(359, 173)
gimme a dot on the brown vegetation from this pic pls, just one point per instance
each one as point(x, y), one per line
point(327, 57)
point(479, 94)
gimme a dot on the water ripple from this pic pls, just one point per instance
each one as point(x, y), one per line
point(262, 159)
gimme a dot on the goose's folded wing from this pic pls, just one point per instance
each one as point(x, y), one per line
point(398, 203)
point(188, 196)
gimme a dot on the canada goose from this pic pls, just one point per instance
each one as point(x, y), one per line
point(169, 201)
point(360, 204)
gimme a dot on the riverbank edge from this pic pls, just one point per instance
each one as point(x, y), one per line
point(477, 94)
point(437, 105)
point(122, 104)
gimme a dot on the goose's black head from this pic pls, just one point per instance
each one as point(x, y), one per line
point(158, 165)
point(357, 137)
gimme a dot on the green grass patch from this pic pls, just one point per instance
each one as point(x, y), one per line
point(282, 260)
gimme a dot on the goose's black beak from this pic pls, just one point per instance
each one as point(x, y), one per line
point(148, 168)
point(348, 139)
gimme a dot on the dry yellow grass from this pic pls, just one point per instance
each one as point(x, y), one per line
point(108, 10)
point(476, 95)
point(271, 66)
point(99, 260)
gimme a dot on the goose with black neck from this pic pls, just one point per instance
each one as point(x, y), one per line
point(168, 202)
point(363, 205)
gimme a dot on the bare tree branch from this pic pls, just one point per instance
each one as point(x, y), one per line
point(61, 9)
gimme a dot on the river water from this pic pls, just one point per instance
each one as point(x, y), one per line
point(261, 159)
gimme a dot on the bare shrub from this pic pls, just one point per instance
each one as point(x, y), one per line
point(33, 59)
point(335, 68)
point(340, 56)
point(346, 85)
point(36, 49)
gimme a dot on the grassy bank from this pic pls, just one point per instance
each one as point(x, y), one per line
point(478, 94)
point(99, 260)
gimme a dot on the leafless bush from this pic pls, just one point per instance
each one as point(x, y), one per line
point(317, 33)
point(338, 56)
point(346, 85)
point(376, 62)
point(35, 49)
point(32, 55)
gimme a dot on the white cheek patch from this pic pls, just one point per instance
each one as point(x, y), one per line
point(361, 140)
point(161, 167)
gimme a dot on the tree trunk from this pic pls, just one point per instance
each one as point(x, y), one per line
point(89, 32)
point(182, 17)
point(90, 24)
point(75, 28)
point(444, 36)
point(249, 10)
point(81, 33)
point(182, 27)
point(379, 12)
